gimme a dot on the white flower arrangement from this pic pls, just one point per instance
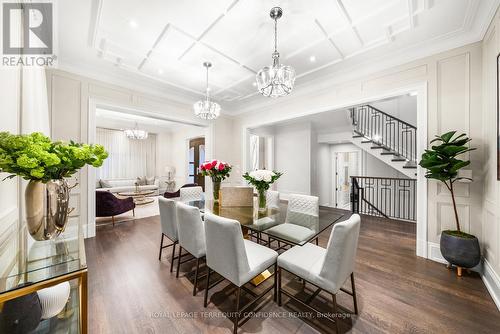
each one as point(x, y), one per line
point(261, 178)
point(262, 175)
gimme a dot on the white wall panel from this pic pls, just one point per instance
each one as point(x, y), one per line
point(66, 105)
point(490, 240)
point(453, 93)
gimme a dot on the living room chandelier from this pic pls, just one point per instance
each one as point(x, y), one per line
point(135, 133)
point(207, 109)
point(275, 80)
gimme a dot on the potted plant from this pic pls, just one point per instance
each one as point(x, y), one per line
point(262, 179)
point(442, 164)
point(218, 171)
point(46, 164)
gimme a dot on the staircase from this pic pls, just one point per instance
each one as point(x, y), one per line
point(386, 137)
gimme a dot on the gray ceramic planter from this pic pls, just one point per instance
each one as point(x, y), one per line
point(462, 252)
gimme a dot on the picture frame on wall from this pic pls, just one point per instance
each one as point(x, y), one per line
point(498, 117)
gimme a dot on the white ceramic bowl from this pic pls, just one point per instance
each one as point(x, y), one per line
point(54, 299)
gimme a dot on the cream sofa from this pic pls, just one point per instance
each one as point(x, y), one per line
point(122, 185)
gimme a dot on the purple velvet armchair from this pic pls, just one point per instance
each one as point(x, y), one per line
point(108, 205)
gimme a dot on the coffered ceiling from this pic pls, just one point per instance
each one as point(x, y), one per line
point(167, 41)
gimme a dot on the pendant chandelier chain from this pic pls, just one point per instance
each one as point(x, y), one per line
point(207, 90)
point(276, 34)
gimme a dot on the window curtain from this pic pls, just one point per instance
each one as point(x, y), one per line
point(128, 158)
point(35, 108)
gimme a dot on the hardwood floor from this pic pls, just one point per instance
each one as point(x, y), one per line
point(130, 291)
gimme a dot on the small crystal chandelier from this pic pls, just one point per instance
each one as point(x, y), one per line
point(207, 109)
point(276, 80)
point(135, 133)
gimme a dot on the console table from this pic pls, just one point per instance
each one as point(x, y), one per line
point(48, 263)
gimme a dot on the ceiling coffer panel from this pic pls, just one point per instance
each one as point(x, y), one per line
point(169, 40)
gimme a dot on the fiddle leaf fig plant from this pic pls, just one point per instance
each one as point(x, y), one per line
point(442, 163)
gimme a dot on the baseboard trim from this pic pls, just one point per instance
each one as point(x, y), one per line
point(422, 249)
point(434, 253)
point(492, 282)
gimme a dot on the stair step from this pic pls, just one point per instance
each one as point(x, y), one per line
point(357, 136)
point(388, 153)
point(377, 147)
point(410, 167)
point(366, 141)
point(399, 159)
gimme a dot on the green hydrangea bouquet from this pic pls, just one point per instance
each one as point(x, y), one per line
point(35, 157)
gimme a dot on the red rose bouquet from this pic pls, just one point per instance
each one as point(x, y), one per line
point(217, 171)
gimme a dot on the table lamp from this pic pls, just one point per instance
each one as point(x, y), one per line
point(170, 170)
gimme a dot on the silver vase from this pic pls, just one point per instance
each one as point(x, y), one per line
point(47, 208)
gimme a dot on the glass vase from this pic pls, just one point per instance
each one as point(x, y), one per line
point(262, 200)
point(216, 190)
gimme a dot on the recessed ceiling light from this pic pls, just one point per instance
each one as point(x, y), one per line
point(312, 59)
point(254, 84)
point(133, 23)
point(160, 71)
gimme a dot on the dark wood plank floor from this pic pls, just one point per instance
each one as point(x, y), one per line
point(130, 291)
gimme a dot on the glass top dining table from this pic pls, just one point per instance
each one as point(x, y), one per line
point(302, 229)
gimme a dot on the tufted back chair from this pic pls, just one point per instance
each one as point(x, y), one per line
point(191, 194)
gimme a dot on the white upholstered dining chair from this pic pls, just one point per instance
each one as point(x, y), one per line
point(236, 259)
point(191, 194)
point(301, 219)
point(168, 220)
point(273, 199)
point(327, 269)
point(191, 232)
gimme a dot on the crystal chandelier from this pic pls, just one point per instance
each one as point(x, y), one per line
point(276, 80)
point(207, 109)
point(135, 133)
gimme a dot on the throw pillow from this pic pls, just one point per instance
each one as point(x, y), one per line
point(141, 181)
point(105, 184)
point(150, 181)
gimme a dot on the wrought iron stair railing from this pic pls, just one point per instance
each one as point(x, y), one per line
point(394, 198)
point(387, 132)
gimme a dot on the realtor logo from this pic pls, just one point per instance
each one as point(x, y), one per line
point(27, 29)
point(28, 34)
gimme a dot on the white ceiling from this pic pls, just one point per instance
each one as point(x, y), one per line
point(112, 119)
point(166, 42)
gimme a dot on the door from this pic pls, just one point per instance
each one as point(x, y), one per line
point(196, 158)
point(346, 166)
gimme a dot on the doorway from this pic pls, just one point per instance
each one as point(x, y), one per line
point(196, 158)
point(346, 165)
